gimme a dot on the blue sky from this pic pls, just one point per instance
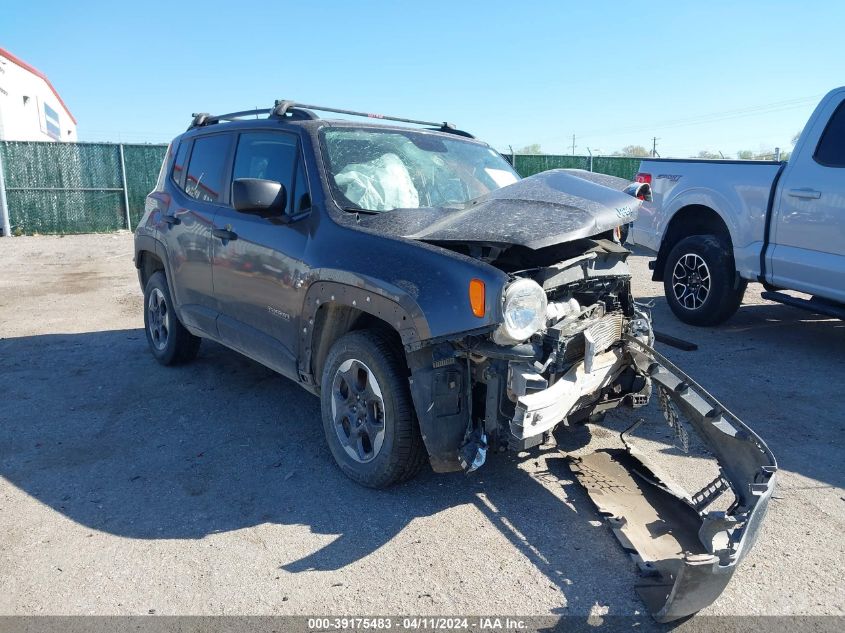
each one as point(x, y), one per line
point(713, 75)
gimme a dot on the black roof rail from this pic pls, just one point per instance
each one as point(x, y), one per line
point(284, 106)
point(284, 109)
point(204, 118)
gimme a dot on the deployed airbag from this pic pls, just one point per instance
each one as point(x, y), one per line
point(382, 184)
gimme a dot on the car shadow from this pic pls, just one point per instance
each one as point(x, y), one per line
point(95, 429)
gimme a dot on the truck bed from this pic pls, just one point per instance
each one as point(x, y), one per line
point(741, 185)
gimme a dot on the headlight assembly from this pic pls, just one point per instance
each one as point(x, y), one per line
point(524, 310)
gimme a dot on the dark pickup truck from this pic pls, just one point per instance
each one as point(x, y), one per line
point(441, 307)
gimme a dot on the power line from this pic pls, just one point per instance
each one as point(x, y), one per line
point(712, 117)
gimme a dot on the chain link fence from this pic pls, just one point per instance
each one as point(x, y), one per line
point(66, 188)
point(621, 166)
point(77, 187)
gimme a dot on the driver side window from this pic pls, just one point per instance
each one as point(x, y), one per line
point(272, 156)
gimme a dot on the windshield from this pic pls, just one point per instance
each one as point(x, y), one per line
point(381, 170)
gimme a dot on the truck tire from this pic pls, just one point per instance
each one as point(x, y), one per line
point(169, 341)
point(368, 414)
point(700, 280)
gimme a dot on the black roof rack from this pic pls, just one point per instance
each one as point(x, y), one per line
point(292, 110)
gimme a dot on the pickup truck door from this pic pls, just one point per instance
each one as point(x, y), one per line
point(808, 235)
point(185, 227)
point(258, 272)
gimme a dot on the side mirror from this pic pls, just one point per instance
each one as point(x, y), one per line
point(259, 197)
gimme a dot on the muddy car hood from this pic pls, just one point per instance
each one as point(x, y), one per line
point(550, 208)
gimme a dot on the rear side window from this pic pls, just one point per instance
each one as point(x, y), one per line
point(179, 164)
point(206, 168)
point(831, 149)
point(269, 156)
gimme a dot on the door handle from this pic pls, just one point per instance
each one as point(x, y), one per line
point(809, 194)
point(170, 219)
point(224, 234)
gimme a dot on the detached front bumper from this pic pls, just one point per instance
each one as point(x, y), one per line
point(687, 545)
point(686, 553)
point(541, 411)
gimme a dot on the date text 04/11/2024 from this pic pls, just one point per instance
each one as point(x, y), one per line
point(422, 623)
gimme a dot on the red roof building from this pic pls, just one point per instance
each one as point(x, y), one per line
point(30, 107)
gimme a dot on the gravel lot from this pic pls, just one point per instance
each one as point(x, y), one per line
point(129, 488)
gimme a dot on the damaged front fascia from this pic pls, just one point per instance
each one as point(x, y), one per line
point(441, 384)
point(687, 554)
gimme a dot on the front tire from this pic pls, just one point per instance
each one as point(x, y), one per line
point(368, 414)
point(700, 281)
point(169, 341)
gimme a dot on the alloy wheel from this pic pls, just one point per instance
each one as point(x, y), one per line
point(158, 319)
point(358, 411)
point(691, 281)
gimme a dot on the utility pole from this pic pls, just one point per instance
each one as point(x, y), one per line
point(573, 145)
point(654, 146)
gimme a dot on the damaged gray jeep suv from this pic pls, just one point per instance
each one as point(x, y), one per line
point(442, 308)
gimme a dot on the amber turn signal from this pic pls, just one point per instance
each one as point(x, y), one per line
point(476, 297)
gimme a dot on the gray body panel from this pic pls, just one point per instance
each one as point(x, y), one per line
point(807, 249)
point(187, 244)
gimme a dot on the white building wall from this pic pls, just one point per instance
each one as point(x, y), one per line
point(29, 109)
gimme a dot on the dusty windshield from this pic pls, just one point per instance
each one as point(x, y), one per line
point(382, 170)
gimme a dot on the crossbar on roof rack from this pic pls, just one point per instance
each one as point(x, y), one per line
point(282, 107)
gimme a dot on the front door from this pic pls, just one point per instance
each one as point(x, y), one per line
point(809, 235)
point(258, 271)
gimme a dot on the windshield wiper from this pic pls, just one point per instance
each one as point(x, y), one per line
point(357, 210)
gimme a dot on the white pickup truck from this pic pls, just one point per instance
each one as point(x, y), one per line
point(718, 224)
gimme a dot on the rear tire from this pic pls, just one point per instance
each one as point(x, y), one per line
point(368, 414)
point(169, 341)
point(700, 281)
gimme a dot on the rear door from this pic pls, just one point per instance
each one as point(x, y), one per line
point(259, 271)
point(185, 229)
point(809, 231)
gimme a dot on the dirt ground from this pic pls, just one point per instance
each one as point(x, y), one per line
point(129, 488)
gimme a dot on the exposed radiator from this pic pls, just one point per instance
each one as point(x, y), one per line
point(605, 332)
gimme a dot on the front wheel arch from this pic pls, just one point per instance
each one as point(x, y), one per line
point(333, 309)
point(694, 219)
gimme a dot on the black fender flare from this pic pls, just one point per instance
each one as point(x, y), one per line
point(392, 306)
point(150, 244)
point(438, 384)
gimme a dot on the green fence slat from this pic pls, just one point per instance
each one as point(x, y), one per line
point(143, 163)
point(621, 166)
point(76, 187)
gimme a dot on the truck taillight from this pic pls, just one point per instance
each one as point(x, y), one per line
point(643, 177)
